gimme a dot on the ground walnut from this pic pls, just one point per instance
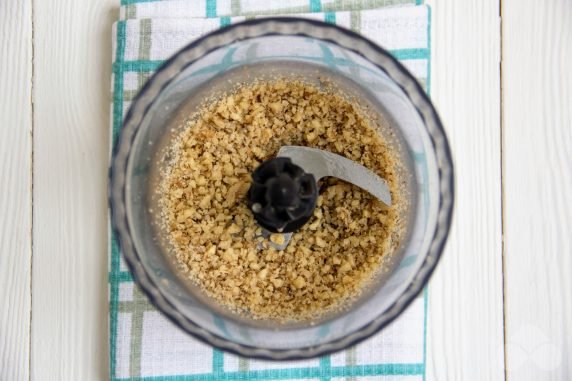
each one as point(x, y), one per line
point(331, 258)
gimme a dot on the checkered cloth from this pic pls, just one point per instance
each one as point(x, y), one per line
point(144, 345)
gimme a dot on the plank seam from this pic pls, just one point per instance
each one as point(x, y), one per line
point(31, 252)
point(502, 204)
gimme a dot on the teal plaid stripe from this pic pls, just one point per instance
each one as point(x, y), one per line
point(150, 66)
point(298, 373)
point(262, 8)
point(128, 2)
point(115, 254)
point(387, 2)
point(117, 276)
point(211, 8)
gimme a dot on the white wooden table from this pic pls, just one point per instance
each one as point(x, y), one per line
point(501, 299)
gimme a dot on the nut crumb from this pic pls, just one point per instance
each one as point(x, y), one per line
point(277, 238)
point(330, 260)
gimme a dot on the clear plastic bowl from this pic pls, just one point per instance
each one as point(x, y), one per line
point(311, 50)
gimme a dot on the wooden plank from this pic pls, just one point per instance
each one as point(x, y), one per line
point(465, 323)
point(15, 187)
point(537, 176)
point(72, 87)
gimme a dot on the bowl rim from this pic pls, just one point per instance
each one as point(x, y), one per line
point(273, 26)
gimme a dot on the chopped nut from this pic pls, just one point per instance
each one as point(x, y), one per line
point(314, 225)
point(182, 217)
point(277, 238)
point(320, 242)
point(224, 244)
point(329, 261)
point(263, 273)
point(299, 282)
point(233, 229)
point(206, 201)
point(277, 282)
point(345, 267)
point(228, 169)
point(229, 255)
point(251, 256)
point(311, 137)
point(276, 107)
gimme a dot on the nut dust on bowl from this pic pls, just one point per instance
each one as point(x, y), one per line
point(213, 234)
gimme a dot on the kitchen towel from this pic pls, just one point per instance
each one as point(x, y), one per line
point(144, 345)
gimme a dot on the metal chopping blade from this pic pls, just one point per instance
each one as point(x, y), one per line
point(322, 164)
point(326, 164)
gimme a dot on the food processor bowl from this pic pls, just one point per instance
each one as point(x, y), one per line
point(318, 53)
